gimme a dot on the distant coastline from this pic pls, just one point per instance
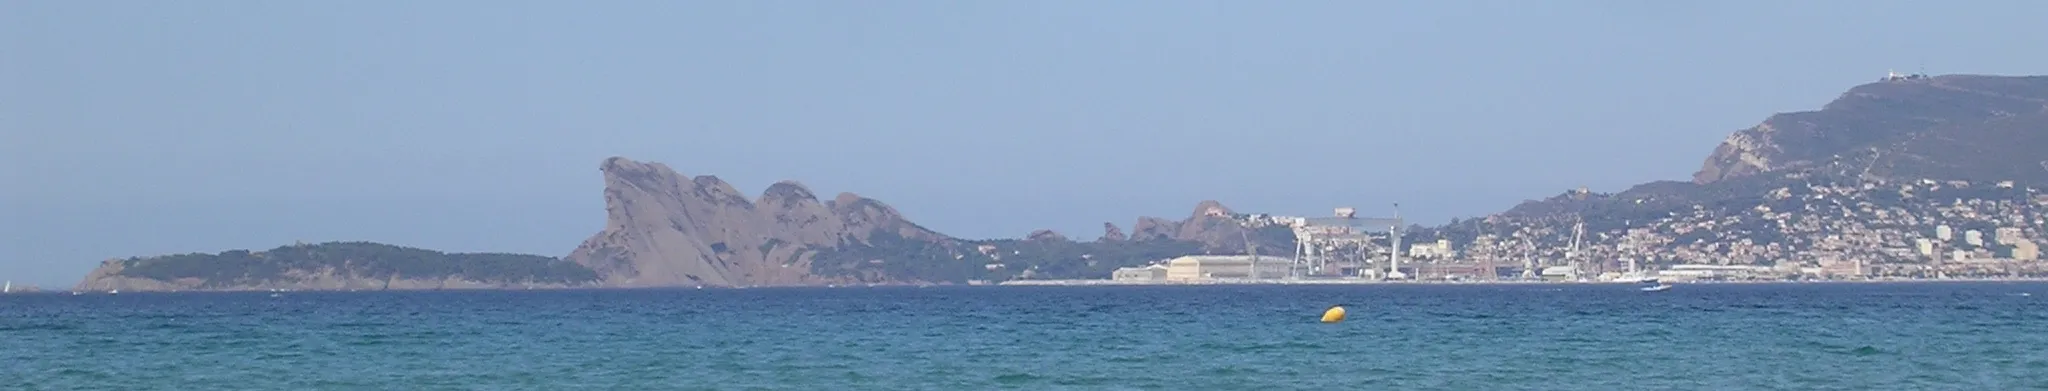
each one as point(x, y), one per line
point(1076, 283)
point(1499, 282)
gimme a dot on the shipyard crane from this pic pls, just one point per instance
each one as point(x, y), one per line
point(1394, 254)
point(1251, 248)
point(1344, 236)
point(1529, 265)
point(1571, 251)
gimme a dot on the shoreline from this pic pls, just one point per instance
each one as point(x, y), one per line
point(1505, 282)
point(1046, 283)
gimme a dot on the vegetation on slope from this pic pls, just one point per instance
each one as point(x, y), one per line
point(359, 259)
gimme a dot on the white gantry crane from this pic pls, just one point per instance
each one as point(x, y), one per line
point(1341, 240)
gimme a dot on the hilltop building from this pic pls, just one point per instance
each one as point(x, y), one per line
point(1892, 76)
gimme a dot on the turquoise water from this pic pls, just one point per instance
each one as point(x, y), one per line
point(1982, 336)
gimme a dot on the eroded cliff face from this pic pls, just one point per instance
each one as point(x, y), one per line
point(1210, 224)
point(665, 229)
point(1946, 126)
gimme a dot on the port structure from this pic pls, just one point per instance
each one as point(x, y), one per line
point(1344, 244)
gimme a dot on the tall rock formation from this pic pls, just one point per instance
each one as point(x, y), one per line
point(1954, 126)
point(1154, 228)
point(666, 229)
point(1213, 225)
point(1110, 233)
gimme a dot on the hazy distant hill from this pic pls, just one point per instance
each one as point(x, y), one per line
point(1957, 126)
point(1864, 178)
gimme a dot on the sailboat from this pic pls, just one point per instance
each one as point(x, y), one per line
point(9, 288)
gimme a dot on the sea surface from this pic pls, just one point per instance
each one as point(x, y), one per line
point(1893, 336)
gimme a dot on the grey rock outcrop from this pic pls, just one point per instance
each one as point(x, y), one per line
point(1154, 228)
point(1110, 233)
point(1045, 234)
point(666, 229)
point(1211, 224)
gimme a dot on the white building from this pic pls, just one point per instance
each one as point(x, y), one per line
point(1139, 274)
point(1698, 272)
point(2025, 251)
point(2007, 235)
point(1439, 249)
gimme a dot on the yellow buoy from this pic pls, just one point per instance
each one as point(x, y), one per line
point(1334, 315)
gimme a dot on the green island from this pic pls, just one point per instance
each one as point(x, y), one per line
point(358, 259)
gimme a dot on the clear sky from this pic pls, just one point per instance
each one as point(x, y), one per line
point(148, 127)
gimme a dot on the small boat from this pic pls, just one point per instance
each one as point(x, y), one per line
point(1658, 288)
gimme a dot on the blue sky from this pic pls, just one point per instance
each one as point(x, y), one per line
point(138, 128)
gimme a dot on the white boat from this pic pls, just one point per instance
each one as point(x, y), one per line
point(1658, 288)
point(1636, 278)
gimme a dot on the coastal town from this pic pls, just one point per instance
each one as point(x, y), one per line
point(1806, 228)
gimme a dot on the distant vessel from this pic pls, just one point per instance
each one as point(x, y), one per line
point(1658, 288)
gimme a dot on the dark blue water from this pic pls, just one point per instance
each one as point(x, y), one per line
point(1982, 336)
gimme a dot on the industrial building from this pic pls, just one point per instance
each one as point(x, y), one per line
point(1139, 274)
point(1196, 268)
point(1714, 272)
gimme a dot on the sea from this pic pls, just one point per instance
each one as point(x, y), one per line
point(1792, 336)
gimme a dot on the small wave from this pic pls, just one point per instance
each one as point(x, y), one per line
point(1085, 381)
point(1258, 347)
point(1867, 350)
point(38, 327)
point(1017, 378)
point(1859, 350)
